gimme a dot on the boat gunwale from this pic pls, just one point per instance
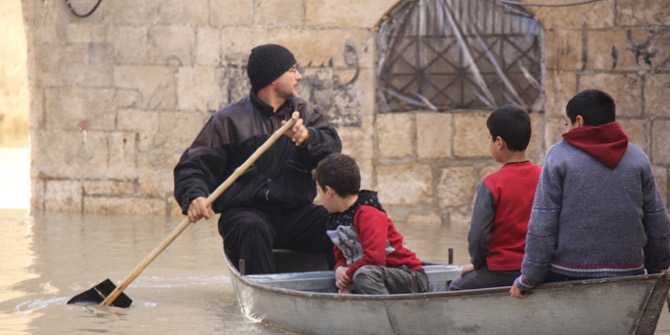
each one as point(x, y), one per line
point(418, 296)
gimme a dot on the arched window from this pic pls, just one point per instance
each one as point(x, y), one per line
point(458, 54)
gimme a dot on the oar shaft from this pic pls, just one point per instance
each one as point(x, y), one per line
point(185, 223)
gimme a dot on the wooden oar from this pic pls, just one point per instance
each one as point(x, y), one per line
point(97, 294)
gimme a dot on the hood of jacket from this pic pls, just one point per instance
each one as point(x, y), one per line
point(346, 218)
point(606, 143)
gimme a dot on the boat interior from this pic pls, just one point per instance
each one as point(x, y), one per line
point(439, 277)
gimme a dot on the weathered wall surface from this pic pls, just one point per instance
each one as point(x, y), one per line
point(13, 76)
point(623, 48)
point(116, 97)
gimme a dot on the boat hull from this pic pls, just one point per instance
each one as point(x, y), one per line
point(306, 303)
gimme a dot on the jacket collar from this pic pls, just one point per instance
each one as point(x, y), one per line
point(267, 110)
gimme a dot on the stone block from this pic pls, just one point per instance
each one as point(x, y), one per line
point(231, 12)
point(358, 144)
point(199, 88)
point(615, 50)
point(37, 192)
point(130, 205)
point(63, 196)
point(336, 48)
point(207, 46)
point(657, 95)
point(134, 13)
point(660, 141)
point(237, 42)
point(637, 131)
point(36, 111)
point(395, 135)
point(156, 84)
point(643, 13)
point(58, 159)
point(536, 147)
point(86, 33)
point(553, 132)
point(124, 98)
point(43, 21)
point(563, 50)
point(79, 109)
point(157, 182)
point(346, 13)
point(237, 85)
point(137, 120)
point(459, 218)
point(88, 65)
point(174, 209)
point(422, 221)
point(172, 45)
point(177, 130)
point(163, 149)
point(627, 93)
point(457, 186)
point(278, 13)
point(91, 154)
point(121, 159)
point(108, 187)
point(487, 170)
point(595, 15)
point(406, 184)
point(652, 50)
point(177, 12)
point(434, 135)
point(561, 86)
point(351, 104)
point(131, 45)
point(316, 87)
point(471, 135)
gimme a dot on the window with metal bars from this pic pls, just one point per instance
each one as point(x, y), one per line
point(458, 54)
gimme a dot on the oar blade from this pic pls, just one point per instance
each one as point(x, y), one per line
point(97, 294)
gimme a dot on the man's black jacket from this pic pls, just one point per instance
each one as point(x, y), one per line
point(280, 179)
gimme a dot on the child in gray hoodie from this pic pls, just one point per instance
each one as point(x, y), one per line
point(597, 210)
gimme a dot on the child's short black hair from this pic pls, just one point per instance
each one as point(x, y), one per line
point(595, 106)
point(340, 172)
point(512, 124)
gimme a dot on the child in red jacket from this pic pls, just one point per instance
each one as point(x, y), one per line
point(369, 252)
point(497, 235)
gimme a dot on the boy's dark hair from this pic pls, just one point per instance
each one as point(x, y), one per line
point(512, 124)
point(340, 172)
point(595, 106)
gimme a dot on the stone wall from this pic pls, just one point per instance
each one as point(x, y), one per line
point(623, 48)
point(117, 97)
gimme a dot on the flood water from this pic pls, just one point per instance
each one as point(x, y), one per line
point(49, 258)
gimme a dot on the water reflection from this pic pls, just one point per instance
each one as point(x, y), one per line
point(52, 257)
point(49, 258)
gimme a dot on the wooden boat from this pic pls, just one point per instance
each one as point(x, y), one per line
point(307, 303)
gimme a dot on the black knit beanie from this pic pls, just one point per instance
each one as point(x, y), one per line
point(267, 63)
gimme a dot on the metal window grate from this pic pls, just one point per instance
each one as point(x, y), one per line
point(458, 54)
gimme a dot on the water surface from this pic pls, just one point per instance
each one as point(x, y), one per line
point(49, 258)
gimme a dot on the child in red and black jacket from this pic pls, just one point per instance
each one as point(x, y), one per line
point(370, 255)
point(501, 211)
